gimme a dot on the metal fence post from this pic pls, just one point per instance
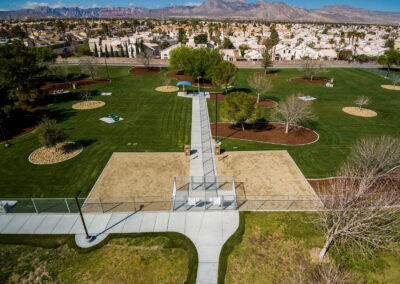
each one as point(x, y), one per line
point(101, 205)
point(66, 203)
point(34, 205)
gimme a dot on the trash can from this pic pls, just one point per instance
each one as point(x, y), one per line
point(187, 150)
point(217, 149)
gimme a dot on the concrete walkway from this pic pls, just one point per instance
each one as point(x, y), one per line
point(202, 162)
point(208, 230)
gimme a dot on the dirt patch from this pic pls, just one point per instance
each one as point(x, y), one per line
point(391, 87)
point(363, 112)
point(167, 89)
point(140, 174)
point(180, 76)
point(263, 74)
point(264, 173)
point(264, 103)
point(141, 70)
point(49, 87)
point(267, 132)
point(88, 105)
point(309, 81)
point(61, 152)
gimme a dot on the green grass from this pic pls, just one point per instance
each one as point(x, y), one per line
point(275, 248)
point(161, 122)
point(157, 122)
point(338, 131)
point(121, 258)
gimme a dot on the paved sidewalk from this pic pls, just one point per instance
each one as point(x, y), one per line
point(208, 230)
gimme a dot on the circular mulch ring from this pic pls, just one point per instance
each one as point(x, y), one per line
point(88, 105)
point(264, 103)
point(180, 76)
point(263, 74)
point(61, 152)
point(141, 70)
point(391, 87)
point(308, 81)
point(272, 132)
point(167, 89)
point(364, 112)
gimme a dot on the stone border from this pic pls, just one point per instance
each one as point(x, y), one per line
point(29, 158)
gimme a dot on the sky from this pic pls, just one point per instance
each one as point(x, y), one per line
point(382, 5)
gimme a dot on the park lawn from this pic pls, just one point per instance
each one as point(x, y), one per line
point(338, 131)
point(275, 248)
point(157, 122)
point(160, 122)
point(129, 258)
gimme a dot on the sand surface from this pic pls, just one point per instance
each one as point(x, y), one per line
point(167, 89)
point(357, 112)
point(264, 173)
point(140, 174)
point(88, 105)
point(391, 87)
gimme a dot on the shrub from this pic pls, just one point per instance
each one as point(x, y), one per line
point(50, 133)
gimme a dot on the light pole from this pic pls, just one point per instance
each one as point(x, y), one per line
point(198, 83)
point(216, 118)
point(80, 213)
point(105, 61)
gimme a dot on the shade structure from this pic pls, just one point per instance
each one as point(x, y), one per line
point(183, 83)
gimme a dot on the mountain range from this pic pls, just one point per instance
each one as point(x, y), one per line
point(220, 9)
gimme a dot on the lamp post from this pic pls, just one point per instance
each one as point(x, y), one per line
point(80, 213)
point(105, 61)
point(198, 83)
point(216, 118)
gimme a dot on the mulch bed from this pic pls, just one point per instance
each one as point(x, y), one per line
point(49, 87)
point(180, 76)
point(141, 70)
point(308, 81)
point(266, 132)
point(263, 103)
point(263, 74)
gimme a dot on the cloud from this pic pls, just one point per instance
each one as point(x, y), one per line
point(131, 4)
point(191, 4)
point(32, 5)
point(95, 6)
point(59, 4)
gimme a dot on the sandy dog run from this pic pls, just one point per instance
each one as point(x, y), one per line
point(140, 174)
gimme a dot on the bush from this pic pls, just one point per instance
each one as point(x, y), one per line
point(50, 133)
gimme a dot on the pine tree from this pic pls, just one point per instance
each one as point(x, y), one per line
point(126, 50)
point(112, 51)
point(137, 49)
point(122, 51)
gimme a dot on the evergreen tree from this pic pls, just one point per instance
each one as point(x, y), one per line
point(126, 50)
point(106, 53)
point(266, 62)
point(111, 51)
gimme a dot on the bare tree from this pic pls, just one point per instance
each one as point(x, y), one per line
point(396, 80)
point(90, 66)
point(359, 210)
point(330, 274)
point(85, 95)
point(145, 57)
point(362, 101)
point(294, 111)
point(167, 81)
point(260, 84)
point(312, 68)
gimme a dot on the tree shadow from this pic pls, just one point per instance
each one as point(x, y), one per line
point(86, 142)
point(245, 90)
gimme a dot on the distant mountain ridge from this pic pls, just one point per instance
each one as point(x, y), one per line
point(221, 9)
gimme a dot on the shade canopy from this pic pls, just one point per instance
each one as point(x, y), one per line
point(183, 83)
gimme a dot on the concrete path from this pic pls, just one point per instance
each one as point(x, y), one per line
point(208, 230)
point(202, 161)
